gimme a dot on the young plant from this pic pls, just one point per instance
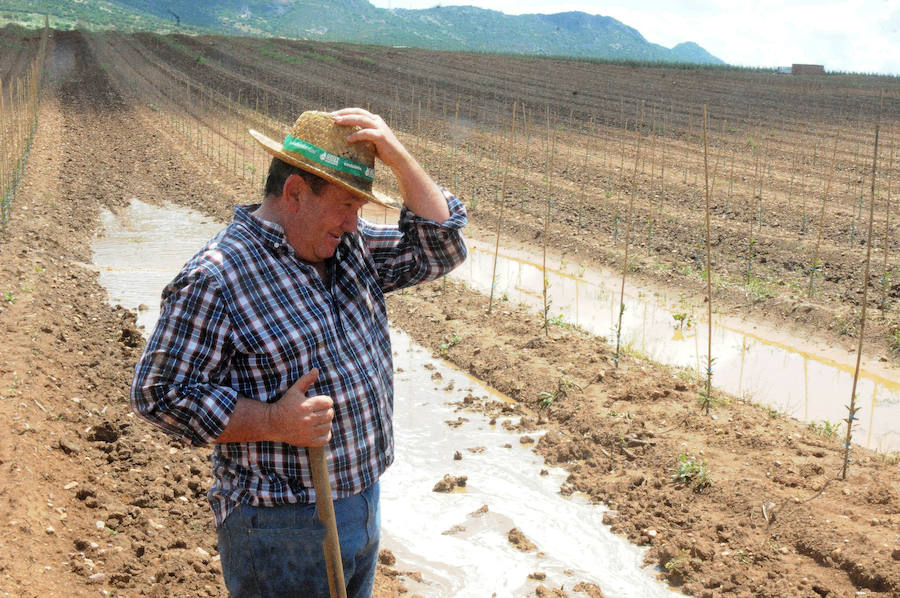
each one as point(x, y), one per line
point(816, 265)
point(634, 179)
point(563, 388)
point(706, 397)
point(852, 408)
point(454, 340)
point(512, 139)
point(885, 278)
point(682, 319)
point(691, 473)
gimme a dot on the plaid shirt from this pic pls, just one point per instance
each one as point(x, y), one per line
point(246, 318)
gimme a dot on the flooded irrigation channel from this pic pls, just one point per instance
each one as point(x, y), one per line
point(797, 377)
point(458, 541)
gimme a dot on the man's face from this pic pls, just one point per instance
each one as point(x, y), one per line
point(315, 226)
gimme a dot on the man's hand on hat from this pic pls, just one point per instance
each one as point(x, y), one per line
point(374, 130)
point(301, 420)
point(418, 190)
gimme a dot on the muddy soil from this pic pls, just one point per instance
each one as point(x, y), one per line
point(737, 503)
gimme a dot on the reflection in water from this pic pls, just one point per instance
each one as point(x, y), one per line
point(800, 383)
point(458, 554)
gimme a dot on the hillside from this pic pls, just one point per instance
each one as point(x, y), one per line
point(456, 28)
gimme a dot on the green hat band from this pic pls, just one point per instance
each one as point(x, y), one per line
point(326, 158)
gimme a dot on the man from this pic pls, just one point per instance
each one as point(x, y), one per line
point(274, 338)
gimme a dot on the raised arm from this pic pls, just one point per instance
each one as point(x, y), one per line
point(419, 192)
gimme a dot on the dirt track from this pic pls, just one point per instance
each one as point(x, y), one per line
point(75, 457)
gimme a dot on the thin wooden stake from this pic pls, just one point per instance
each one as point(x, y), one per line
point(852, 409)
point(551, 147)
point(634, 179)
point(815, 263)
point(885, 278)
point(707, 399)
point(512, 139)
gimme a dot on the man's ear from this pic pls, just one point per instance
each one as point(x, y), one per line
point(294, 186)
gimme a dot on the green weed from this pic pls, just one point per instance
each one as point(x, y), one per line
point(825, 428)
point(322, 57)
point(678, 565)
point(545, 399)
point(773, 413)
point(692, 473)
point(13, 389)
point(563, 388)
point(757, 290)
point(889, 457)
point(454, 340)
point(683, 319)
point(846, 327)
point(557, 321)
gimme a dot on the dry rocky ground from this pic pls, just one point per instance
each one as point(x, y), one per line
point(734, 504)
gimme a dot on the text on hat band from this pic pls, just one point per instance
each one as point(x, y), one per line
point(326, 158)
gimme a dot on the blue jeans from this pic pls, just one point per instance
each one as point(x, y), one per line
point(271, 552)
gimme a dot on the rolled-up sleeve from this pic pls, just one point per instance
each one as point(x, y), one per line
point(417, 249)
point(178, 381)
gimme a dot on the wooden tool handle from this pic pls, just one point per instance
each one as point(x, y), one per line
point(325, 506)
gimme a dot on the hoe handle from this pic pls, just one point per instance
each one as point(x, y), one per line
point(325, 507)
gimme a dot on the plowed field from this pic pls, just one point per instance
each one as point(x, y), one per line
point(93, 500)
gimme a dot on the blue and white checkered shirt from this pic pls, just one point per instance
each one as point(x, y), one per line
point(246, 318)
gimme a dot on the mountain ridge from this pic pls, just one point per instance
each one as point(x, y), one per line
point(455, 28)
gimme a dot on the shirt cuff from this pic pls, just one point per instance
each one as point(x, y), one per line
point(458, 217)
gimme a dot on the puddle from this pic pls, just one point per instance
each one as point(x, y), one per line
point(792, 376)
point(462, 553)
point(141, 251)
point(144, 246)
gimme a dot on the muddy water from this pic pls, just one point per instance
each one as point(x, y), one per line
point(799, 377)
point(459, 550)
point(794, 376)
point(142, 248)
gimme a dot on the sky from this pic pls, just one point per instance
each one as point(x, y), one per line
point(844, 35)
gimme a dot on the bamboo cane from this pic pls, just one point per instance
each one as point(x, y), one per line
point(512, 138)
point(815, 263)
point(707, 397)
point(551, 146)
point(634, 175)
point(885, 279)
point(852, 408)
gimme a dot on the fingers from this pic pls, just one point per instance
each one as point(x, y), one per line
point(373, 129)
point(319, 415)
point(343, 112)
point(304, 420)
point(320, 440)
point(372, 125)
point(319, 406)
point(306, 380)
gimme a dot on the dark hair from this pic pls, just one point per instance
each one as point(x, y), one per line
point(279, 171)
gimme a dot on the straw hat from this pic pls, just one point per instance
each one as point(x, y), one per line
point(318, 145)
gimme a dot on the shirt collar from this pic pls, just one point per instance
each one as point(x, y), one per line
point(273, 235)
point(270, 233)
